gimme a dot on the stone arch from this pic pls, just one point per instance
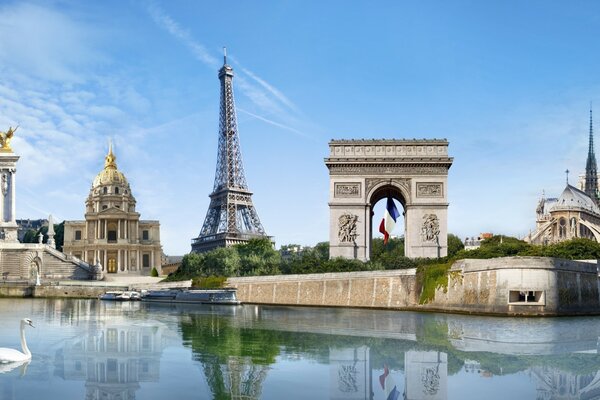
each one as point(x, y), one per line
point(33, 266)
point(362, 172)
point(379, 188)
point(592, 228)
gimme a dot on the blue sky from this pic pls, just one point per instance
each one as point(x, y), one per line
point(508, 83)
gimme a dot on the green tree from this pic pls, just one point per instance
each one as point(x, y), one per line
point(191, 265)
point(31, 236)
point(224, 261)
point(454, 245)
point(321, 249)
point(258, 257)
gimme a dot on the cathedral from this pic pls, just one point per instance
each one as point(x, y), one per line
point(576, 213)
point(112, 234)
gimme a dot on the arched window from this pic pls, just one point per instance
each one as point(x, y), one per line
point(562, 228)
point(105, 190)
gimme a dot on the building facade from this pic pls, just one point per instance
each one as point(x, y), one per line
point(112, 233)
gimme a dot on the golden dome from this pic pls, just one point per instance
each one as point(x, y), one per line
point(110, 175)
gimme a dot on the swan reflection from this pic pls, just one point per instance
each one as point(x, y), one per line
point(8, 367)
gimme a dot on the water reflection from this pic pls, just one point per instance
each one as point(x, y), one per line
point(394, 355)
point(21, 365)
point(113, 357)
point(92, 350)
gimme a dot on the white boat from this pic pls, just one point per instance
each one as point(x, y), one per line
point(115, 295)
point(193, 296)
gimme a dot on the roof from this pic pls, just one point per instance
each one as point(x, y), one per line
point(574, 198)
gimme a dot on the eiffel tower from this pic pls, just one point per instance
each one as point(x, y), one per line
point(231, 218)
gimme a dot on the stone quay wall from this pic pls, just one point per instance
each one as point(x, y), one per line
point(495, 286)
point(378, 289)
point(559, 287)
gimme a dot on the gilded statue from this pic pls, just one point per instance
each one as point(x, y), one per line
point(5, 138)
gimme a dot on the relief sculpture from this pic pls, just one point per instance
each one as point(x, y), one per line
point(431, 228)
point(347, 190)
point(429, 190)
point(4, 184)
point(347, 228)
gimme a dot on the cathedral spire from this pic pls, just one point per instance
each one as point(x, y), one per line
point(591, 169)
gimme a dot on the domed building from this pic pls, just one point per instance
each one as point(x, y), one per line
point(112, 233)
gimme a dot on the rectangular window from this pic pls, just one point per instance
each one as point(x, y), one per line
point(146, 260)
point(77, 235)
point(526, 297)
point(145, 235)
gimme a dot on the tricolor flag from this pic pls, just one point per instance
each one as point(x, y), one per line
point(388, 385)
point(389, 219)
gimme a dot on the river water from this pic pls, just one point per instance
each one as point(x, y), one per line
point(88, 349)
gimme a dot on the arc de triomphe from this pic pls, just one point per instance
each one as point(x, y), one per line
point(362, 172)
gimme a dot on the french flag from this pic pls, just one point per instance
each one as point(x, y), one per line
point(389, 220)
point(388, 385)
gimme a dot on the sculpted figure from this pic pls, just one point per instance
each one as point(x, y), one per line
point(431, 228)
point(347, 227)
point(4, 184)
point(5, 138)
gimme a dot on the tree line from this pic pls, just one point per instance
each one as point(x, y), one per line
point(258, 257)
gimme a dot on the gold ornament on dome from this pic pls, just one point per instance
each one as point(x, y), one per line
point(5, 138)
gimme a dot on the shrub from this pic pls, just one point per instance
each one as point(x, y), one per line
point(154, 272)
point(209, 282)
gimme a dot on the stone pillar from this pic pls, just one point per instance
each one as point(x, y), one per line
point(13, 198)
point(51, 242)
point(8, 224)
point(118, 229)
point(119, 260)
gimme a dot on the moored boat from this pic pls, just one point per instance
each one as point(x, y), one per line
point(193, 296)
point(115, 295)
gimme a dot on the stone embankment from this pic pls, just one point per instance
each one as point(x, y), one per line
point(528, 286)
point(84, 289)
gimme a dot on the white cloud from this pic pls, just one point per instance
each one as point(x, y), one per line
point(166, 22)
point(272, 90)
point(265, 97)
point(45, 42)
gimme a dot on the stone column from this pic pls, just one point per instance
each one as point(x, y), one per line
point(118, 229)
point(8, 224)
point(119, 260)
point(13, 198)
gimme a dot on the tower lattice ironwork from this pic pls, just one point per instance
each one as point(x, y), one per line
point(591, 169)
point(231, 216)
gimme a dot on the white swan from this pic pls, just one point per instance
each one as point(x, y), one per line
point(11, 355)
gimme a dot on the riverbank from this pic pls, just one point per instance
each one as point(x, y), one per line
point(84, 289)
point(510, 286)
